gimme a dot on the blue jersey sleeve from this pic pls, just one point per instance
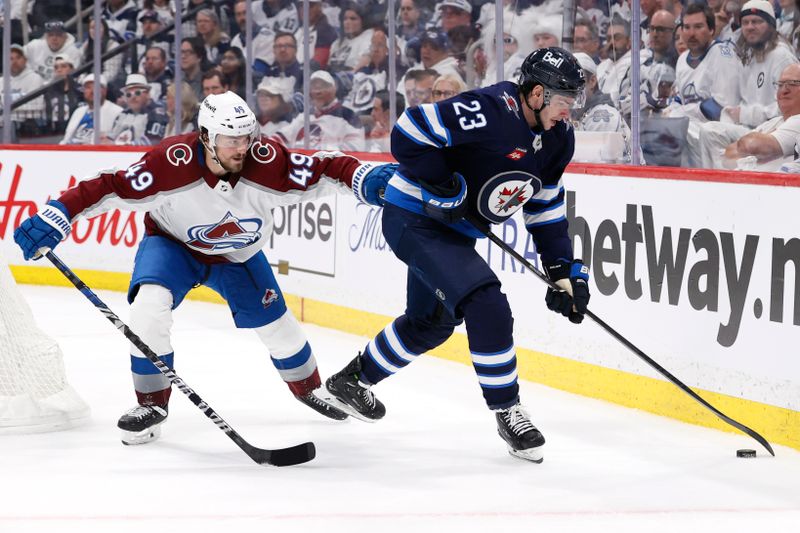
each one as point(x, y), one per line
point(422, 132)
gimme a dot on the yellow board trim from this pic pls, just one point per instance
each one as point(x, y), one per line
point(776, 424)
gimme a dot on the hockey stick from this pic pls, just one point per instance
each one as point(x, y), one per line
point(301, 453)
point(628, 344)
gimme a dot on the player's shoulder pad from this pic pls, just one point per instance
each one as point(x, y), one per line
point(266, 150)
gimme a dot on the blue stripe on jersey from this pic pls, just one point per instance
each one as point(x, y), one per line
point(447, 131)
point(293, 361)
point(143, 366)
point(409, 128)
point(426, 130)
point(434, 122)
point(545, 222)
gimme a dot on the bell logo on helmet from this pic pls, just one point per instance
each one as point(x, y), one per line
point(552, 59)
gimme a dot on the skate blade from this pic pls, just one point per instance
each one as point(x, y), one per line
point(336, 402)
point(534, 455)
point(335, 413)
point(133, 438)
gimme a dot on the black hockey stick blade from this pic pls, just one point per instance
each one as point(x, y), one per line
point(486, 230)
point(293, 455)
point(301, 453)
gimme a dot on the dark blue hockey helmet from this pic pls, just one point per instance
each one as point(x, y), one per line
point(556, 70)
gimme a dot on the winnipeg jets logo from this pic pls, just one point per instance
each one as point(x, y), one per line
point(270, 296)
point(537, 143)
point(230, 233)
point(510, 199)
point(760, 79)
point(511, 103)
point(504, 194)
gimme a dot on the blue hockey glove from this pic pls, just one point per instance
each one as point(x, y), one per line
point(573, 298)
point(43, 230)
point(369, 182)
point(445, 202)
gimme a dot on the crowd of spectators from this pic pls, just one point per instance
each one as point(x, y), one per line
point(715, 76)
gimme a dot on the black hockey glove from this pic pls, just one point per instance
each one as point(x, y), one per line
point(573, 298)
point(446, 202)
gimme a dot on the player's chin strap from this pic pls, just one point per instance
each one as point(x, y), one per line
point(538, 128)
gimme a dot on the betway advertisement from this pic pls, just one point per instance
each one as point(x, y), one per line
point(702, 275)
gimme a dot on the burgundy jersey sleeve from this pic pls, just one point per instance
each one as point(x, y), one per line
point(277, 168)
point(168, 167)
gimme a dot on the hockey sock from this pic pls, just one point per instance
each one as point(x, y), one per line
point(400, 343)
point(490, 329)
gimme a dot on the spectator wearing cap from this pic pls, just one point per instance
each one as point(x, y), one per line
point(764, 55)
point(150, 24)
point(62, 98)
point(771, 143)
point(286, 64)
point(155, 70)
point(120, 15)
point(215, 40)
point(274, 109)
point(332, 126)
point(353, 44)
point(56, 41)
point(214, 83)
point(454, 13)
point(598, 112)
point(143, 121)
point(80, 129)
point(434, 53)
point(188, 116)
point(23, 81)
point(322, 34)
point(112, 67)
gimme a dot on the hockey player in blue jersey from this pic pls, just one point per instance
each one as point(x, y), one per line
point(479, 156)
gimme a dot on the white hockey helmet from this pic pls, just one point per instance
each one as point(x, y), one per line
point(226, 114)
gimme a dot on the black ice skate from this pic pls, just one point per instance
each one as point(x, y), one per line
point(352, 396)
point(142, 424)
point(320, 400)
point(521, 436)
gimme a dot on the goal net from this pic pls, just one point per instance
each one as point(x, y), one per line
point(34, 393)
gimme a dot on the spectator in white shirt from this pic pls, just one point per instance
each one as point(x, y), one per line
point(23, 81)
point(41, 53)
point(80, 129)
point(771, 142)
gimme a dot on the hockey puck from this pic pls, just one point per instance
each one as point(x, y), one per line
point(745, 453)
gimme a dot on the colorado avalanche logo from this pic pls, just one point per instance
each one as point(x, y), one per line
point(179, 154)
point(263, 153)
point(502, 195)
point(511, 103)
point(270, 296)
point(230, 233)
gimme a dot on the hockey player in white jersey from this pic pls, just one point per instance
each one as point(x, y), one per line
point(701, 92)
point(208, 197)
